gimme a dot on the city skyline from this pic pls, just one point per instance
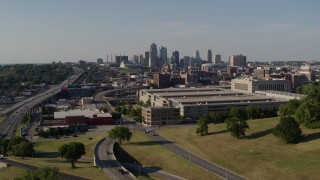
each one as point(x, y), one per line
point(42, 32)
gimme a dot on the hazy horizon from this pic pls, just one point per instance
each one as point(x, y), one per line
point(68, 31)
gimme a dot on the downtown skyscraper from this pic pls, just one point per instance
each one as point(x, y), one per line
point(209, 55)
point(153, 55)
point(162, 56)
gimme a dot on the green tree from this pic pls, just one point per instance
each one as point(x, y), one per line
point(214, 118)
point(288, 129)
point(120, 133)
point(4, 145)
point(72, 152)
point(238, 113)
point(14, 141)
point(202, 126)
point(116, 116)
point(23, 149)
point(289, 108)
point(237, 127)
point(308, 112)
point(148, 103)
point(253, 112)
point(45, 173)
point(237, 123)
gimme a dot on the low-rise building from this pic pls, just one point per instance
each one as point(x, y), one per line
point(155, 115)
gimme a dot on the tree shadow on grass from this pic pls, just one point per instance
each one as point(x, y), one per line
point(149, 143)
point(259, 134)
point(216, 132)
point(41, 154)
point(310, 137)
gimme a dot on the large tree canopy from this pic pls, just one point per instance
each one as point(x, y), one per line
point(72, 152)
point(288, 129)
point(120, 133)
point(237, 123)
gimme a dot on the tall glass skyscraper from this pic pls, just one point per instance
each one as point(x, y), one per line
point(197, 54)
point(175, 56)
point(209, 55)
point(162, 55)
point(153, 55)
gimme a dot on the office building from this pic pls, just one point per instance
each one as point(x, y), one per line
point(238, 60)
point(162, 80)
point(160, 116)
point(176, 58)
point(153, 55)
point(217, 59)
point(196, 54)
point(162, 56)
point(99, 61)
point(120, 59)
point(146, 58)
point(209, 55)
point(252, 85)
point(196, 102)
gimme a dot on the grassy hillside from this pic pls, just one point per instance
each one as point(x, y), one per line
point(258, 156)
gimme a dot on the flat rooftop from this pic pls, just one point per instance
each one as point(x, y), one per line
point(170, 90)
point(200, 93)
point(222, 99)
point(87, 113)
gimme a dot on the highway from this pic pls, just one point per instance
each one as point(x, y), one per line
point(9, 125)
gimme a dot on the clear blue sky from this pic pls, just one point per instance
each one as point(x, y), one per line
point(37, 31)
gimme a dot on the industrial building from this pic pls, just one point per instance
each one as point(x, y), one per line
point(250, 85)
point(196, 102)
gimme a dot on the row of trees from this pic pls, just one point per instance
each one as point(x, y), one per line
point(46, 73)
point(236, 119)
point(287, 129)
point(54, 132)
point(129, 110)
point(17, 146)
point(46, 173)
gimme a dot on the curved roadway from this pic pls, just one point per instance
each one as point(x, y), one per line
point(193, 158)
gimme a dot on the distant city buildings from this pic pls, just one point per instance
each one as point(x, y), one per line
point(99, 61)
point(120, 59)
point(209, 55)
point(175, 55)
point(162, 56)
point(153, 55)
point(196, 54)
point(238, 60)
point(217, 59)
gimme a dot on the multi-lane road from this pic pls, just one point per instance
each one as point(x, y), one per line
point(14, 113)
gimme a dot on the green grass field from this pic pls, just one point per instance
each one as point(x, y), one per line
point(151, 154)
point(52, 146)
point(260, 155)
point(84, 169)
point(11, 172)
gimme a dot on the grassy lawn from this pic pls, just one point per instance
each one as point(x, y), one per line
point(151, 154)
point(258, 156)
point(1, 118)
point(84, 169)
point(88, 140)
point(11, 172)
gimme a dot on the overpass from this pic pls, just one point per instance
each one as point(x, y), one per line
point(15, 112)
